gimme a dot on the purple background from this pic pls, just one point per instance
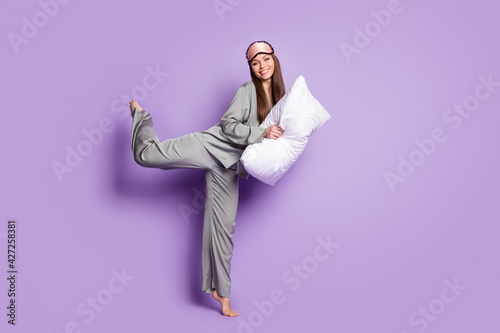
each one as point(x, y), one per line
point(397, 248)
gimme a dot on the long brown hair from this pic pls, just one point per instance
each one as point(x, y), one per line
point(277, 89)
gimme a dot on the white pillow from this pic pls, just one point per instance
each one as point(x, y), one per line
point(299, 114)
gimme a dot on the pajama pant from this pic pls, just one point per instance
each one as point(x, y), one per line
point(221, 192)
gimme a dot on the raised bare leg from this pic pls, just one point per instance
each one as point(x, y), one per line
point(133, 104)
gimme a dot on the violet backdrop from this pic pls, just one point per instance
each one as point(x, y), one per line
point(388, 222)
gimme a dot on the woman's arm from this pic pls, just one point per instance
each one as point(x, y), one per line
point(232, 122)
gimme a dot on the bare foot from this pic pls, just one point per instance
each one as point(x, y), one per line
point(226, 308)
point(133, 104)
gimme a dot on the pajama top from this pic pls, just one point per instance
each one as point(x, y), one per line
point(238, 128)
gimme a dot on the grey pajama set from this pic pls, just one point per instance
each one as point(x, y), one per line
point(217, 151)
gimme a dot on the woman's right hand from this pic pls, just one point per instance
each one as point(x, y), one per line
point(273, 132)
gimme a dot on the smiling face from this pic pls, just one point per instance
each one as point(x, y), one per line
point(262, 64)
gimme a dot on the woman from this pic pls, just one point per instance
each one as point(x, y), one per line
point(218, 151)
